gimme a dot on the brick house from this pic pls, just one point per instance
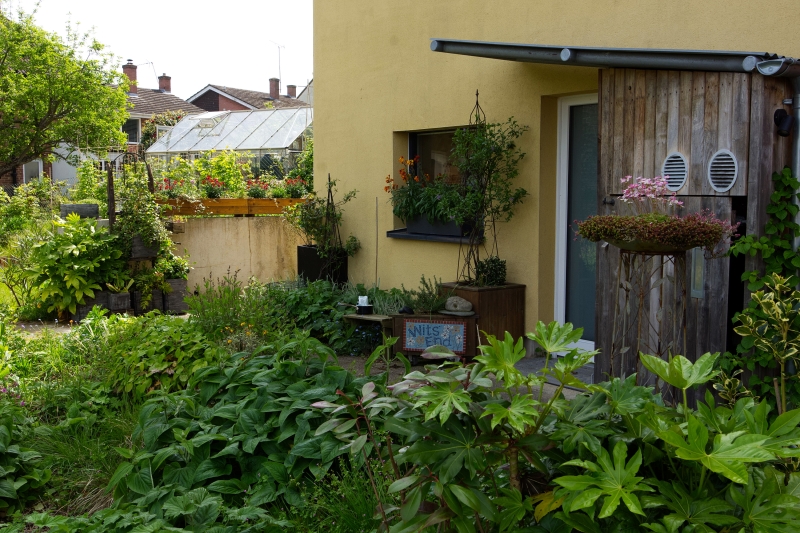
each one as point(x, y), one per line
point(220, 98)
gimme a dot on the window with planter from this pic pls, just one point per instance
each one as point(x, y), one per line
point(427, 169)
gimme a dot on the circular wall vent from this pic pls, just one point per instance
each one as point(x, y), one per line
point(675, 169)
point(723, 169)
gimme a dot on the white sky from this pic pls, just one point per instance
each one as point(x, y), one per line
point(224, 42)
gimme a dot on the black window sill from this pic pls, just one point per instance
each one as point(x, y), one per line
point(403, 234)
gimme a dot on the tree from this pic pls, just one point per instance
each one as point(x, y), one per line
point(55, 93)
point(150, 127)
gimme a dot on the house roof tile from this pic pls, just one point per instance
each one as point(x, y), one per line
point(148, 102)
point(258, 99)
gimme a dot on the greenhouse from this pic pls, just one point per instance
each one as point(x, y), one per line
point(269, 135)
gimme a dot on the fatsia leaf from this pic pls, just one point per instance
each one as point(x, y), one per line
point(500, 357)
point(729, 452)
point(679, 371)
point(519, 414)
point(555, 337)
point(613, 480)
point(440, 399)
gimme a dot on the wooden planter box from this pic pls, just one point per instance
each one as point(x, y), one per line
point(313, 267)
point(417, 332)
point(500, 308)
point(228, 206)
point(82, 210)
point(175, 301)
point(139, 250)
point(119, 301)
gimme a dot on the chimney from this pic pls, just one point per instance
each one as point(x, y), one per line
point(292, 91)
point(164, 84)
point(129, 69)
point(274, 88)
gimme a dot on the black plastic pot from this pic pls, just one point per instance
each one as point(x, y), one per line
point(312, 267)
point(82, 210)
point(175, 301)
point(100, 300)
point(156, 302)
point(119, 301)
point(139, 250)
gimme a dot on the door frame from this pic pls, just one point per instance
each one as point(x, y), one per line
point(562, 224)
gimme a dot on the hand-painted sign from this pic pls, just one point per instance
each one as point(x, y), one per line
point(420, 334)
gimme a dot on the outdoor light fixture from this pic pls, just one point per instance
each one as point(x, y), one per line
point(784, 121)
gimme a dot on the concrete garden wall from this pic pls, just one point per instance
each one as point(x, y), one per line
point(264, 247)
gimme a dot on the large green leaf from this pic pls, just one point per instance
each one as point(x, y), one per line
point(729, 454)
point(679, 371)
point(614, 480)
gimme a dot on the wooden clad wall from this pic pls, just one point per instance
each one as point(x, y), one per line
point(645, 115)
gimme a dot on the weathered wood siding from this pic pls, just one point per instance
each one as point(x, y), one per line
point(646, 115)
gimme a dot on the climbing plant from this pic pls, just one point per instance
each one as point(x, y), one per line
point(776, 251)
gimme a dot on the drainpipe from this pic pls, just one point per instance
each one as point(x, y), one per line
point(785, 68)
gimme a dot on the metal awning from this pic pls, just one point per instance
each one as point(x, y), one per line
point(639, 58)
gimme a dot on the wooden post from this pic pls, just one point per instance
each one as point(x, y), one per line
point(150, 185)
point(112, 215)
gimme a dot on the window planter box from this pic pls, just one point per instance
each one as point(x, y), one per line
point(175, 300)
point(228, 206)
point(313, 267)
point(500, 308)
point(422, 226)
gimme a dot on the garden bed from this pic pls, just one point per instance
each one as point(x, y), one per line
point(229, 206)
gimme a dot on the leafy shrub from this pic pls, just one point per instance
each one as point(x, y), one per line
point(242, 436)
point(139, 214)
point(157, 353)
point(477, 454)
point(71, 265)
point(21, 477)
point(428, 299)
point(172, 266)
point(491, 271)
point(90, 186)
point(227, 306)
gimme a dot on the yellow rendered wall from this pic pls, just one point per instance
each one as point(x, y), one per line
point(375, 78)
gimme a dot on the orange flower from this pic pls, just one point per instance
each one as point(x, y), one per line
point(387, 188)
point(388, 179)
point(416, 158)
point(402, 159)
point(416, 178)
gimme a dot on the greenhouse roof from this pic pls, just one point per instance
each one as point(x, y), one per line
point(264, 129)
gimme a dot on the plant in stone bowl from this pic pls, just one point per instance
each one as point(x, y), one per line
point(653, 225)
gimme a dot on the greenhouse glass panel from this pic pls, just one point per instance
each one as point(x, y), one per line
point(254, 120)
point(215, 139)
point(260, 135)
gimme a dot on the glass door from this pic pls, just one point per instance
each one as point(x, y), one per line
point(576, 259)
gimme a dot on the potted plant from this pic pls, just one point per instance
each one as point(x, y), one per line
point(174, 269)
point(119, 296)
point(430, 206)
point(652, 225)
point(149, 288)
point(487, 157)
point(324, 254)
point(139, 225)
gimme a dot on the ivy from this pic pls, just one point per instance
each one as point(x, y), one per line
point(775, 249)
